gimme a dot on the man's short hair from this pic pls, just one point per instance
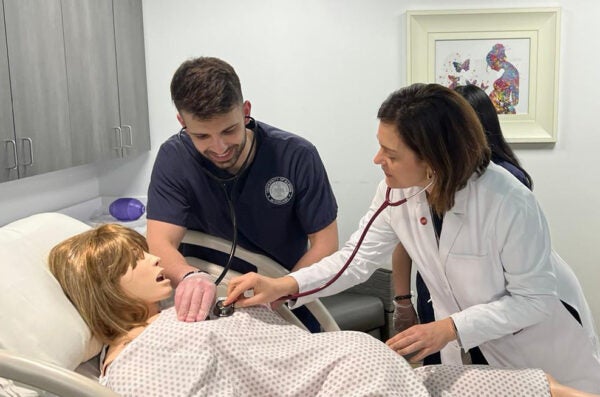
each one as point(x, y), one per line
point(206, 87)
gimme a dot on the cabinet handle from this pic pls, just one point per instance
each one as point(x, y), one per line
point(130, 136)
point(119, 138)
point(14, 145)
point(30, 144)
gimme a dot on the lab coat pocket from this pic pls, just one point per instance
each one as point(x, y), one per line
point(473, 279)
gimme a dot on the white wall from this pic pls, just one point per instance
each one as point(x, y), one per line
point(321, 68)
point(61, 189)
point(47, 192)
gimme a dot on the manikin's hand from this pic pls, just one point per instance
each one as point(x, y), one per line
point(265, 289)
point(194, 297)
point(405, 315)
point(419, 341)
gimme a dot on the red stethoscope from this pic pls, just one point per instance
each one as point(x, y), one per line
point(386, 203)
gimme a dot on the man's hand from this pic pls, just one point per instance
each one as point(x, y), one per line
point(421, 340)
point(194, 297)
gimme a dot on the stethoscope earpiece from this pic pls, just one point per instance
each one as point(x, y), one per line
point(251, 124)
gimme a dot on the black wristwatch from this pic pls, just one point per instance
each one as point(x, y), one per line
point(398, 298)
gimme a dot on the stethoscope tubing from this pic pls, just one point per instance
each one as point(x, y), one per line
point(222, 182)
point(386, 203)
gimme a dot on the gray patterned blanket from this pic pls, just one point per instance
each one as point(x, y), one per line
point(256, 353)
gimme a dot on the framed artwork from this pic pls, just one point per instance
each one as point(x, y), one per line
point(512, 54)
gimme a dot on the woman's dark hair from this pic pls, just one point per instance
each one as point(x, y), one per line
point(484, 108)
point(443, 130)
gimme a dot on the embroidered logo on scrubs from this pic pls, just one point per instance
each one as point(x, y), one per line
point(279, 190)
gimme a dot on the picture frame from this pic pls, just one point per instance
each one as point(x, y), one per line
point(513, 54)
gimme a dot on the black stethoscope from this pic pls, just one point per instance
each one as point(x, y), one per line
point(221, 310)
point(386, 203)
point(223, 183)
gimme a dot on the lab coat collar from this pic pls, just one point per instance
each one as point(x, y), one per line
point(460, 197)
point(454, 220)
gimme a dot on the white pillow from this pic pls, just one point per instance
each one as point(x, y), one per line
point(37, 318)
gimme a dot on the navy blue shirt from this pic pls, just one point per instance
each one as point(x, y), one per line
point(517, 173)
point(280, 198)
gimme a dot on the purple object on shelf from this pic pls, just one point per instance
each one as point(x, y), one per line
point(126, 209)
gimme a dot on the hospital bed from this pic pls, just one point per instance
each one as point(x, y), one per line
point(366, 307)
point(44, 344)
point(265, 266)
point(47, 349)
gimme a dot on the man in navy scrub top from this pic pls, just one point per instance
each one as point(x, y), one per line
point(222, 160)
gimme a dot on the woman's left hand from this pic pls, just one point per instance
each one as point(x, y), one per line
point(421, 340)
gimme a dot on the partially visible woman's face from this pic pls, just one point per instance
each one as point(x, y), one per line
point(401, 166)
point(146, 281)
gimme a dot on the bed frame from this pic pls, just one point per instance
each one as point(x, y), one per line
point(57, 380)
point(265, 265)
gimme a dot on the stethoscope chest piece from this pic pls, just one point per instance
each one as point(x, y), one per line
point(221, 310)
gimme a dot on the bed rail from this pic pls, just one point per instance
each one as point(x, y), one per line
point(49, 377)
point(265, 265)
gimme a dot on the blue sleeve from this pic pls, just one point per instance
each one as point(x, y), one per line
point(167, 198)
point(517, 173)
point(315, 203)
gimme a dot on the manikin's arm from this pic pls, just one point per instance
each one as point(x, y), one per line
point(322, 243)
point(195, 295)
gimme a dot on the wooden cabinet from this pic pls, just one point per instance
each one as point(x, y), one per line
point(76, 77)
point(104, 44)
point(131, 66)
point(92, 79)
point(38, 84)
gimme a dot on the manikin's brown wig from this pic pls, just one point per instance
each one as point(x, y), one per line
point(89, 267)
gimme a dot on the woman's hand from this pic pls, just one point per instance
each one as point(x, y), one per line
point(421, 340)
point(404, 316)
point(265, 289)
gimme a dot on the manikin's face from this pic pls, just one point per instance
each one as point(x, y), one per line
point(221, 139)
point(146, 281)
point(400, 164)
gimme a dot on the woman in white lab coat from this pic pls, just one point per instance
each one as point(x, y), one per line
point(488, 264)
